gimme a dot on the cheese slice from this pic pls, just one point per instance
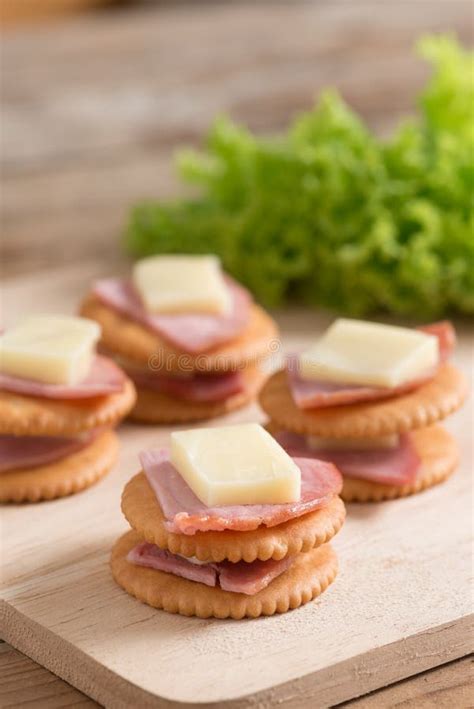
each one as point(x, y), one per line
point(353, 444)
point(53, 349)
point(372, 354)
point(235, 465)
point(182, 284)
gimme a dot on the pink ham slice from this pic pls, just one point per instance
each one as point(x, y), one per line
point(315, 394)
point(250, 578)
point(190, 332)
point(393, 466)
point(104, 378)
point(151, 556)
point(31, 451)
point(446, 335)
point(196, 388)
point(242, 577)
point(186, 514)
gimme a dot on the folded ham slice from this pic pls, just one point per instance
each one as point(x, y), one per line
point(31, 451)
point(104, 378)
point(309, 394)
point(242, 577)
point(196, 387)
point(446, 334)
point(185, 513)
point(190, 332)
point(387, 466)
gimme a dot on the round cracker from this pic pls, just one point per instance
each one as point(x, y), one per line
point(429, 403)
point(307, 577)
point(439, 454)
point(125, 337)
point(157, 408)
point(143, 512)
point(64, 477)
point(35, 416)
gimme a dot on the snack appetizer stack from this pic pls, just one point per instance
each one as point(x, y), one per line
point(59, 401)
point(226, 524)
point(368, 398)
point(189, 336)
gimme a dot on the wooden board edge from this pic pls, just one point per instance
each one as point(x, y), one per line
point(70, 663)
point(369, 671)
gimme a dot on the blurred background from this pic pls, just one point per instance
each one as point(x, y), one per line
point(96, 97)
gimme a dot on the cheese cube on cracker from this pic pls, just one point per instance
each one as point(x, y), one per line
point(235, 465)
point(372, 354)
point(182, 284)
point(54, 349)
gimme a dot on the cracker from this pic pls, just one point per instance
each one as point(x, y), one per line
point(439, 455)
point(157, 408)
point(143, 512)
point(125, 337)
point(35, 416)
point(429, 403)
point(308, 576)
point(63, 477)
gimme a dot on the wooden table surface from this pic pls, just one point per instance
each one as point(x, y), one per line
point(92, 110)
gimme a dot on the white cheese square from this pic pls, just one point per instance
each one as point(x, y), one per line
point(235, 465)
point(365, 353)
point(182, 284)
point(54, 349)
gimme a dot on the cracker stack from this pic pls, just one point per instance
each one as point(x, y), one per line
point(416, 412)
point(32, 417)
point(59, 401)
point(302, 541)
point(140, 351)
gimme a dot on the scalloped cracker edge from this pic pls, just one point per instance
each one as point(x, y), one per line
point(439, 453)
point(124, 336)
point(144, 514)
point(35, 416)
point(157, 408)
point(65, 477)
point(308, 577)
point(424, 406)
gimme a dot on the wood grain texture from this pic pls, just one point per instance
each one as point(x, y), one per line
point(92, 110)
point(24, 683)
point(444, 688)
point(400, 605)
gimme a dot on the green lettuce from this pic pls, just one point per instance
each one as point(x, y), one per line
point(328, 214)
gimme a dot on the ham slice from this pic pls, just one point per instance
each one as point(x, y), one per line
point(309, 394)
point(190, 332)
point(104, 378)
point(242, 577)
point(387, 466)
point(185, 513)
point(446, 335)
point(153, 557)
point(196, 387)
point(31, 451)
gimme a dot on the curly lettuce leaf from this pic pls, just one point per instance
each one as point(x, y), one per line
point(328, 214)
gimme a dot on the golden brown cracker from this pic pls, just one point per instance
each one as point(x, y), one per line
point(35, 416)
point(429, 403)
point(125, 337)
point(439, 455)
point(308, 577)
point(143, 512)
point(63, 477)
point(158, 408)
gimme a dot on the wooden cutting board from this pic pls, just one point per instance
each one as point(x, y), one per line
point(400, 605)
